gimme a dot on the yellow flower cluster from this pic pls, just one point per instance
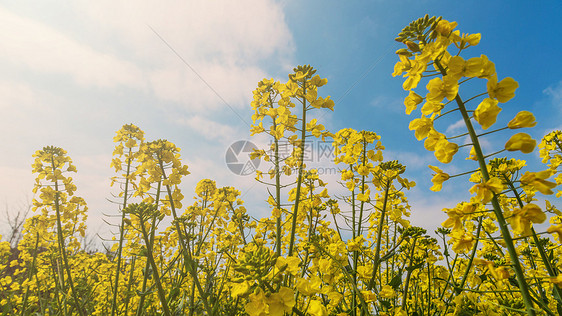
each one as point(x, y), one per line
point(433, 50)
point(316, 253)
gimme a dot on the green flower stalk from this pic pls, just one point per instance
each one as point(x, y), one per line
point(144, 212)
point(129, 137)
point(50, 163)
point(427, 40)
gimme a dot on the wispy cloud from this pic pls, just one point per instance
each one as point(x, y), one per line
point(100, 65)
point(233, 83)
point(555, 94)
point(455, 127)
point(241, 31)
point(226, 44)
point(209, 129)
point(388, 103)
point(411, 160)
point(40, 48)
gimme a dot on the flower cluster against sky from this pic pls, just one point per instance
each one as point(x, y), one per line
point(74, 72)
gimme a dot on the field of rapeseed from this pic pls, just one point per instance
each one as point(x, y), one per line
point(316, 254)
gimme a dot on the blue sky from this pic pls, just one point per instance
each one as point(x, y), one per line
point(74, 73)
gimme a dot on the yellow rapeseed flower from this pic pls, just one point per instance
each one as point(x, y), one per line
point(522, 218)
point(462, 241)
point(442, 88)
point(290, 264)
point(471, 39)
point(556, 280)
point(522, 119)
point(239, 289)
point(433, 137)
point(487, 112)
point(387, 292)
point(485, 191)
point(411, 102)
point(502, 91)
point(309, 287)
point(257, 305)
point(454, 219)
point(432, 108)
point(281, 302)
point(488, 68)
point(438, 178)
point(445, 27)
point(445, 150)
point(538, 181)
point(556, 229)
point(316, 308)
point(522, 142)
point(422, 127)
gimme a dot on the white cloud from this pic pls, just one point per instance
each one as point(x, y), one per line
point(224, 42)
point(21, 183)
point(410, 159)
point(228, 85)
point(20, 104)
point(16, 95)
point(455, 127)
point(555, 93)
point(114, 59)
point(209, 129)
point(16, 196)
point(39, 47)
point(228, 45)
point(241, 30)
point(429, 214)
point(388, 103)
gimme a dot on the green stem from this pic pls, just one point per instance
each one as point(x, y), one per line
point(147, 264)
point(428, 286)
point(130, 283)
point(544, 257)
point(188, 260)
point(355, 289)
point(121, 236)
point(300, 165)
point(58, 279)
point(40, 295)
point(408, 275)
point(379, 237)
point(523, 287)
point(61, 244)
point(150, 259)
point(29, 274)
point(459, 288)
point(364, 158)
point(277, 194)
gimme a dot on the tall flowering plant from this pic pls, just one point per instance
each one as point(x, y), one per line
point(434, 51)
